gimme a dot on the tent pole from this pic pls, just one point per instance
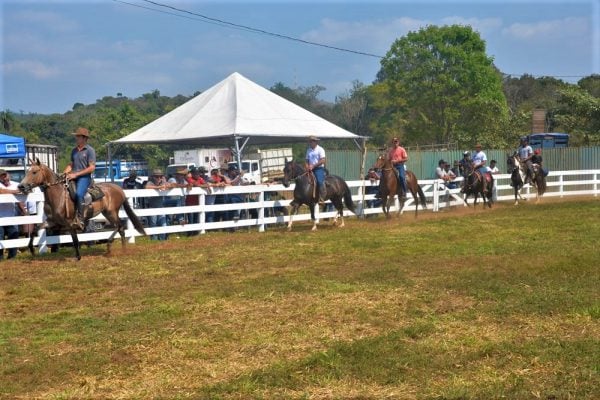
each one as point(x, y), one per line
point(362, 174)
point(239, 149)
point(109, 156)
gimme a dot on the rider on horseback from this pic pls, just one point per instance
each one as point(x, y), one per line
point(80, 169)
point(525, 154)
point(399, 156)
point(315, 162)
point(479, 164)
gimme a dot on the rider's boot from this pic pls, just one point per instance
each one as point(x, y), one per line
point(322, 194)
point(78, 221)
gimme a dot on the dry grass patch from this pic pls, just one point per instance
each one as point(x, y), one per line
point(410, 308)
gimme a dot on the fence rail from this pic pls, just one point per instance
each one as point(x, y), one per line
point(260, 209)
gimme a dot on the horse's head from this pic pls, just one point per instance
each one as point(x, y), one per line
point(380, 162)
point(289, 172)
point(37, 175)
point(512, 162)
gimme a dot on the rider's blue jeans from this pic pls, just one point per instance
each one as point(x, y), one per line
point(402, 176)
point(320, 177)
point(82, 184)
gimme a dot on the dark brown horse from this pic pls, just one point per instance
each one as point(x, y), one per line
point(306, 192)
point(516, 169)
point(477, 184)
point(60, 209)
point(390, 187)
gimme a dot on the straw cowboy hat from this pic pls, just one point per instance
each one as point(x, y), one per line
point(312, 138)
point(81, 132)
point(157, 172)
point(182, 171)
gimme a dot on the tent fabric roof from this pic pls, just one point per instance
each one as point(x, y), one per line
point(11, 146)
point(236, 107)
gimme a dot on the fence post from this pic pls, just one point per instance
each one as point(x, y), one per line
point(261, 211)
point(560, 186)
point(436, 198)
point(202, 219)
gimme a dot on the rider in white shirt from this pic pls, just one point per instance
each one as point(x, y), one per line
point(525, 153)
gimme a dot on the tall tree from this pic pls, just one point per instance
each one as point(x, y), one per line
point(453, 91)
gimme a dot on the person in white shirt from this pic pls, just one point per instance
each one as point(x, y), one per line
point(315, 162)
point(525, 153)
point(9, 210)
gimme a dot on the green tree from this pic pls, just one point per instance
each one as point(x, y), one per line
point(452, 90)
point(579, 115)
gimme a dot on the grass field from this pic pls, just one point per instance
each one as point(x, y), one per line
point(464, 304)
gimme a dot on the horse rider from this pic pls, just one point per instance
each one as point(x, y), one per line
point(80, 169)
point(479, 164)
point(315, 162)
point(398, 155)
point(525, 153)
point(537, 159)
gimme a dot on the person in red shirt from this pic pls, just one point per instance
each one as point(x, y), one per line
point(398, 155)
point(195, 180)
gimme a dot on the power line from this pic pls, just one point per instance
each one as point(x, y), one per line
point(223, 23)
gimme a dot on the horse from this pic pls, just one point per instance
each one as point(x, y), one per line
point(389, 187)
point(61, 211)
point(477, 184)
point(307, 193)
point(517, 177)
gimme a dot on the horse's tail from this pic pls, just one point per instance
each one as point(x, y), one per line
point(422, 196)
point(137, 224)
point(348, 198)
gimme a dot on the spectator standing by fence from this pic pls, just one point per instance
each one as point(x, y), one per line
point(9, 210)
point(195, 179)
point(157, 181)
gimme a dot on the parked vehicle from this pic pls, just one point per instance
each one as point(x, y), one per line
point(47, 154)
point(548, 140)
point(208, 158)
point(264, 165)
point(119, 170)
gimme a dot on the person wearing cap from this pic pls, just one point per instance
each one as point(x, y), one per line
point(537, 159)
point(443, 172)
point(479, 160)
point(525, 153)
point(464, 165)
point(9, 210)
point(398, 155)
point(178, 181)
point(195, 179)
point(130, 182)
point(315, 162)
point(157, 181)
point(235, 179)
point(80, 169)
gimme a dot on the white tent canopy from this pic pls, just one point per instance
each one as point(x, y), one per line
point(233, 109)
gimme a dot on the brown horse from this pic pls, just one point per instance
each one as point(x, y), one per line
point(477, 184)
point(61, 211)
point(390, 187)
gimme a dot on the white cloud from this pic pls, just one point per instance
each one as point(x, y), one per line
point(33, 68)
point(481, 25)
point(47, 20)
point(552, 29)
point(378, 35)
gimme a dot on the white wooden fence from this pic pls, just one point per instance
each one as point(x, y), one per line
point(560, 183)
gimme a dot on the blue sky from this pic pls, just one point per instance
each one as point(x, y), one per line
point(58, 53)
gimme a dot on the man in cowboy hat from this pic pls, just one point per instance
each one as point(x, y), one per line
point(80, 169)
point(315, 162)
point(399, 157)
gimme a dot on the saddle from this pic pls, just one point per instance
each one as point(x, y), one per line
point(94, 190)
point(487, 177)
